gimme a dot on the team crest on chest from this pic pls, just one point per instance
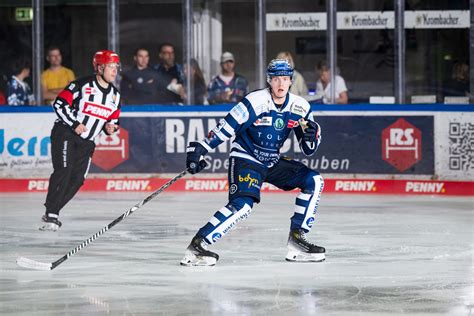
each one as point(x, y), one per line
point(279, 124)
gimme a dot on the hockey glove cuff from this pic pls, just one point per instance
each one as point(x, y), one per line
point(195, 153)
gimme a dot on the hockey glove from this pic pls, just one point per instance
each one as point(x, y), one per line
point(195, 157)
point(311, 131)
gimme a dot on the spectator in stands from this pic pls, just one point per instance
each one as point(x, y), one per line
point(3, 89)
point(139, 85)
point(198, 82)
point(18, 91)
point(298, 85)
point(323, 85)
point(228, 86)
point(168, 70)
point(56, 77)
point(459, 83)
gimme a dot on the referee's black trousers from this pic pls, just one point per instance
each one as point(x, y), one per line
point(71, 156)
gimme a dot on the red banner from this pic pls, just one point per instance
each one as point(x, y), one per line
point(191, 184)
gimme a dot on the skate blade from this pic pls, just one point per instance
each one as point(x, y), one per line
point(49, 227)
point(191, 260)
point(295, 256)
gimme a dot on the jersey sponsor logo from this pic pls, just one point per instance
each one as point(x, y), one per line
point(90, 90)
point(264, 121)
point(292, 124)
point(401, 145)
point(97, 110)
point(111, 150)
point(424, 187)
point(127, 185)
point(239, 113)
point(279, 124)
point(252, 182)
point(355, 186)
point(297, 109)
point(233, 188)
point(217, 129)
point(216, 237)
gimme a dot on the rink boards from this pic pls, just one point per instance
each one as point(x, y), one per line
point(365, 148)
point(365, 186)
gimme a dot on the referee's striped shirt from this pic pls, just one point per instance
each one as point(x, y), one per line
point(85, 101)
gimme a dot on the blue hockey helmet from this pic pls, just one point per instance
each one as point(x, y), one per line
point(279, 67)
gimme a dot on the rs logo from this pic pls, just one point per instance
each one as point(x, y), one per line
point(400, 136)
point(401, 144)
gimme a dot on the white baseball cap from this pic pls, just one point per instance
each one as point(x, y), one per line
point(227, 56)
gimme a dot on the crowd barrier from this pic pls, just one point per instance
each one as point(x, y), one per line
point(366, 148)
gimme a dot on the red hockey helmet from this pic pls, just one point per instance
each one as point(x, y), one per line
point(103, 57)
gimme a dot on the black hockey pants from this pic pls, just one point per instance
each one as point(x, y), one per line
point(71, 156)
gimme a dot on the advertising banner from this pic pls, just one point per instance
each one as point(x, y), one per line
point(455, 146)
point(350, 144)
point(193, 184)
point(156, 144)
point(368, 20)
point(25, 145)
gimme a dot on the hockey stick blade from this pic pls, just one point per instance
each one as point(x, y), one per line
point(32, 264)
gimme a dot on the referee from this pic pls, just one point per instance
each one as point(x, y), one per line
point(84, 108)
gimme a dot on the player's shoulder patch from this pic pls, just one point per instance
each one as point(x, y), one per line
point(260, 101)
point(299, 106)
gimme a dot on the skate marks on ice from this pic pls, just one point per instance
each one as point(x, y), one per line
point(385, 256)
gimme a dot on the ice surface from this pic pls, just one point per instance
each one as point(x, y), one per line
point(386, 255)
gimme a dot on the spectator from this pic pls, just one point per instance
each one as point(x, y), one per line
point(227, 87)
point(56, 77)
point(199, 84)
point(139, 85)
point(459, 83)
point(167, 71)
point(298, 86)
point(19, 92)
point(323, 85)
point(3, 89)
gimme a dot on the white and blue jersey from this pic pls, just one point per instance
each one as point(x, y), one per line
point(19, 92)
point(261, 128)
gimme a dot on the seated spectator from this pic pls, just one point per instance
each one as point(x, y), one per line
point(458, 86)
point(56, 77)
point(298, 85)
point(139, 85)
point(323, 85)
point(199, 85)
point(227, 87)
point(18, 91)
point(167, 71)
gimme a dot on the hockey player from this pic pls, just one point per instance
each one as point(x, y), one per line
point(261, 123)
point(84, 108)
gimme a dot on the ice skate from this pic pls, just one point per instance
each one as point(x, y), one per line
point(197, 254)
point(301, 250)
point(50, 223)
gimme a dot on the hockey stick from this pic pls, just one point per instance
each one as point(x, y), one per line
point(32, 264)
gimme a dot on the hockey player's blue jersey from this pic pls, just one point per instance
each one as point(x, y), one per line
point(261, 128)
